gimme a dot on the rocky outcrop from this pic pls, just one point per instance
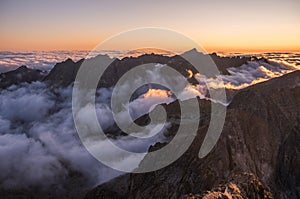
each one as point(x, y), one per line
point(244, 185)
point(257, 155)
point(20, 75)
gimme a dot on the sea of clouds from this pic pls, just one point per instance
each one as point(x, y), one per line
point(39, 145)
point(45, 60)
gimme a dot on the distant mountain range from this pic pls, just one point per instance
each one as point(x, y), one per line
point(64, 73)
point(20, 75)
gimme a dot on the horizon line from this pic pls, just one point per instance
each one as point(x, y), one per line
point(208, 51)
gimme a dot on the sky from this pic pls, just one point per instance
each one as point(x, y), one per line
point(217, 25)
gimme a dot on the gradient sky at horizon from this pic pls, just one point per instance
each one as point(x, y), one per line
point(217, 25)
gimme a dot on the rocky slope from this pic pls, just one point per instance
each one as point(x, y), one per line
point(257, 155)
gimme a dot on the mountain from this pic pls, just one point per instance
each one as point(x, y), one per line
point(64, 73)
point(222, 63)
point(20, 75)
point(257, 155)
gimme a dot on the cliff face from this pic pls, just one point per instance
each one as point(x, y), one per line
point(257, 155)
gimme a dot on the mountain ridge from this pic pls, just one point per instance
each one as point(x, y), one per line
point(64, 73)
point(252, 158)
point(118, 67)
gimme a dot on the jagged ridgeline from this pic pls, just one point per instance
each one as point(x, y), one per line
point(64, 73)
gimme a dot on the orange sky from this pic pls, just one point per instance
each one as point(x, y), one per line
point(217, 25)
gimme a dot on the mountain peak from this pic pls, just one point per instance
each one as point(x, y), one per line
point(69, 60)
point(191, 52)
point(23, 67)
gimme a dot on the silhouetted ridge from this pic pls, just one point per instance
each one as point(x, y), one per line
point(20, 75)
point(64, 73)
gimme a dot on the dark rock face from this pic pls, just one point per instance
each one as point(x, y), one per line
point(20, 75)
point(257, 155)
point(63, 73)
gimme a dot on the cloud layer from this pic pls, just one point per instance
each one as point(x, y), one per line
point(39, 146)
